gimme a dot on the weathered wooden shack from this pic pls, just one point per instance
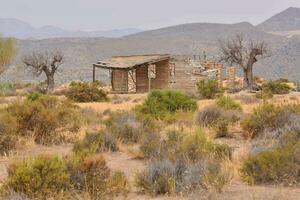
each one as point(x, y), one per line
point(142, 73)
point(137, 73)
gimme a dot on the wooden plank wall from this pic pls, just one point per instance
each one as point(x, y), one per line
point(162, 75)
point(184, 77)
point(142, 79)
point(120, 81)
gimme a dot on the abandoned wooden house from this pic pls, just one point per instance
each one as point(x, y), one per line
point(143, 73)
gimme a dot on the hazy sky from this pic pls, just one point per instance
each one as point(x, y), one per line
point(144, 14)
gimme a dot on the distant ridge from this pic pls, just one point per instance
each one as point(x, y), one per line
point(287, 20)
point(23, 30)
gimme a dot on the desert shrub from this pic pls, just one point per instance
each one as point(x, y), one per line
point(209, 89)
point(277, 87)
point(7, 89)
point(150, 146)
point(168, 177)
point(222, 129)
point(158, 178)
point(279, 165)
point(125, 126)
point(89, 173)
point(162, 104)
point(196, 147)
point(212, 116)
point(8, 138)
point(228, 103)
point(268, 117)
point(264, 94)
point(209, 116)
point(45, 118)
point(33, 96)
point(96, 143)
point(86, 92)
point(217, 176)
point(41, 177)
point(118, 184)
point(262, 117)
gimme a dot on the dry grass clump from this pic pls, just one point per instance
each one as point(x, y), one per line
point(179, 177)
point(278, 165)
point(277, 87)
point(86, 92)
point(8, 136)
point(267, 117)
point(218, 118)
point(96, 143)
point(247, 99)
point(129, 127)
point(228, 103)
point(181, 163)
point(44, 118)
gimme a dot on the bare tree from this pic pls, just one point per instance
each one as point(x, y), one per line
point(245, 54)
point(46, 63)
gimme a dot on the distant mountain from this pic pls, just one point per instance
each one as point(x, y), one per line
point(288, 20)
point(22, 30)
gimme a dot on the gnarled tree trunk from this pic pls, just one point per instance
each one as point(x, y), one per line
point(50, 83)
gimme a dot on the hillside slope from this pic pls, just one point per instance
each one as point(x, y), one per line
point(288, 20)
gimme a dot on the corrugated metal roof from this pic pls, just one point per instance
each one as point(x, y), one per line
point(129, 62)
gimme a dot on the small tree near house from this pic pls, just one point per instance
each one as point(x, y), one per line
point(46, 63)
point(244, 54)
point(8, 52)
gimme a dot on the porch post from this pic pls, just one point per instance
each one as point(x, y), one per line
point(94, 73)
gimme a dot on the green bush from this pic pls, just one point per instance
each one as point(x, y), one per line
point(162, 104)
point(276, 166)
point(277, 87)
point(41, 177)
point(96, 143)
point(45, 118)
point(33, 96)
point(86, 92)
point(209, 89)
point(228, 103)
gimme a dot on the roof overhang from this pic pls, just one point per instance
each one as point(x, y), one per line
point(131, 62)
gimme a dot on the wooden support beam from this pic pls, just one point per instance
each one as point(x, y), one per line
point(149, 79)
point(94, 73)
